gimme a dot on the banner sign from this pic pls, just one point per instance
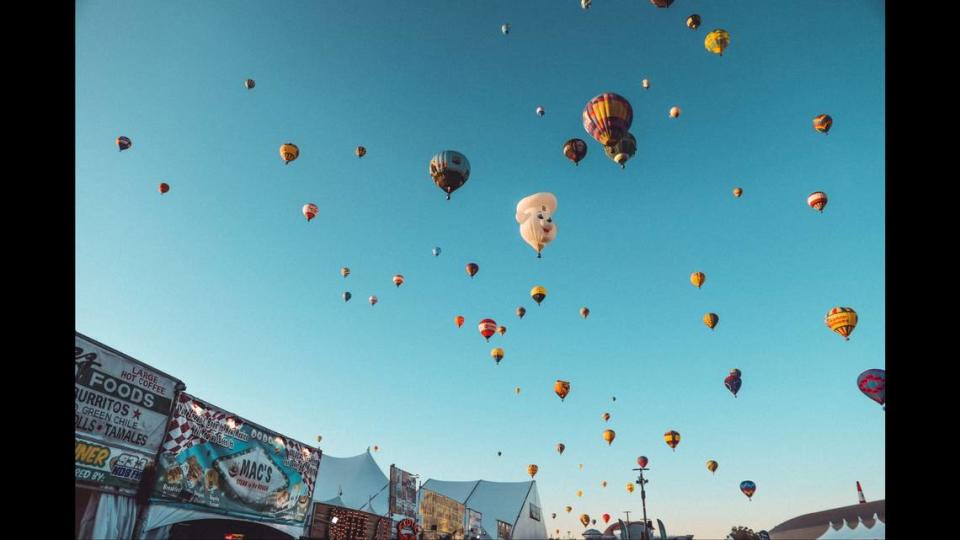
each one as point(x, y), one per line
point(99, 465)
point(474, 522)
point(216, 460)
point(403, 493)
point(442, 516)
point(119, 402)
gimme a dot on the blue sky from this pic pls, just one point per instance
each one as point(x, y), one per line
point(222, 283)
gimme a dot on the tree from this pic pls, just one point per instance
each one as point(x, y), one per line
point(742, 533)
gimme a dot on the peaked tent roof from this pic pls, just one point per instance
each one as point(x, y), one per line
point(816, 524)
point(357, 481)
point(501, 501)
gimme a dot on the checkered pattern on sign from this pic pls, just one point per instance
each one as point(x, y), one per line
point(179, 436)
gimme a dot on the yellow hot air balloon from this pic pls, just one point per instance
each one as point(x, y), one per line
point(579, 493)
point(585, 519)
point(630, 487)
point(289, 152)
point(609, 435)
point(672, 439)
point(344, 271)
point(605, 416)
point(562, 388)
point(603, 483)
point(717, 41)
point(842, 320)
point(697, 278)
point(711, 320)
point(538, 293)
point(712, 466)
point(497, 354)
point(532, 470)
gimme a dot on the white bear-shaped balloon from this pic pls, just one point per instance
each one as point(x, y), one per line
point(535, 216)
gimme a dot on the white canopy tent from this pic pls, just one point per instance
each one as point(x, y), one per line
point(509, 502)
point(356, 481)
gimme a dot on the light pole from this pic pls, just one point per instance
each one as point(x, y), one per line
point(643, 499)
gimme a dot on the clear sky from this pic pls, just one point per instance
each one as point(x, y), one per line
point(222, 282)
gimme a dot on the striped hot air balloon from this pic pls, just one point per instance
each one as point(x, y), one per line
point(712, 466)
point(398, 280)
point(711, 320)
point(697, 279)
point(310, 211)
point(487, 328)
point(497, 354)
point(672, 439)
point(822, 123)
point(748, 488)
point(842, 320)
point(873, 384)
point(289, 152)
point(717, 41)
point(817, 200)
point(607, 118)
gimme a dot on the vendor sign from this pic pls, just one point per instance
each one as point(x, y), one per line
point(214, 459)
point(105, 466)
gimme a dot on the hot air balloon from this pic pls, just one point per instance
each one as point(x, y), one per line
point(517, 390)
point(607, 118)
point(579, 493)
point(642, 461)
point(623, 150)
point(817, 200)
point(585, 4)
point(553, 515)
point(344, 271)
point(123, 143)
point(532, 470)
point(711, 320)
point(376, 448)
point(581, 466)
point(560, 448)
point(499, 453)
point(674, 112)
point(645, 84)
point(372, 300)
point(540, 111)
point(472, 269)
point(163, 188)
point(538, 293)
point(562, 388)
point(505, 29)
point(521, 311)
point(672, 438)
point(458, 320)
point(501, 330)
point(310, 211)
point(732, 382)
point(487, 328)
point(450, 170)
point(823, 123)
point(497, 354)
point(360, 152)
point(575, 150)
point(693, 21)
point(568, 509)
point(717, 41)
point(289, 152)
point(735, 372)
point(748, 488)
point(585, 519)
point(661, 3)
point(873, 384)
point(398, 280)
point(605, 518)
point(347, 296)
point(584, 312)
point(697, 278)
point(842, 320)
point(605, 416)
point(630, 487)
point(436, 252)
point(712, 466)
point(737, 192)
point(249, 84)
point(609, 435)
point(603, 483)
point(535, 216)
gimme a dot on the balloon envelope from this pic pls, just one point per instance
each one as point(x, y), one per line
point(607, 118)
point(535, 216)
point(717, 41)
point(873, 384)
point(842, 320)
point(450, 170)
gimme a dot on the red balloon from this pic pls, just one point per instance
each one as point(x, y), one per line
point(164, 187)
point(472, 269)
point(606, 518)
point(642, 461)
point(487, 328)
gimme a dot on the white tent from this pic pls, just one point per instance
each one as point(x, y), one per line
point(857, 530)
point(357, 481)
point(509, 502)
point(864, 521)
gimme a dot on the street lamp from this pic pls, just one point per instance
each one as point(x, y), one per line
point(643, 499)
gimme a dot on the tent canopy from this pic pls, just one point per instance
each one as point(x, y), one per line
point(503, 501)
point(357, 481)
point(852, 521)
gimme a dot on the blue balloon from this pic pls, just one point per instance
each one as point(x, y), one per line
point(436, 252)
point(347, 296)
